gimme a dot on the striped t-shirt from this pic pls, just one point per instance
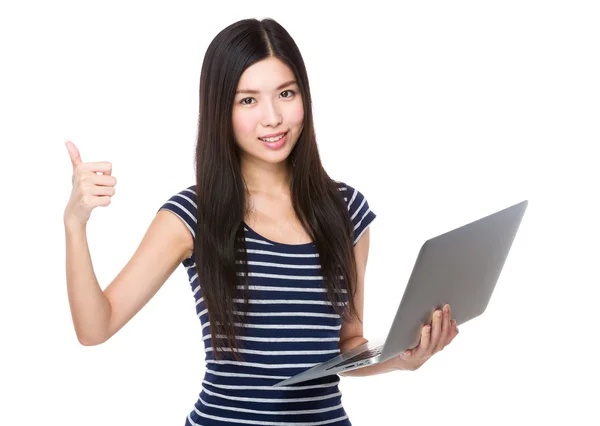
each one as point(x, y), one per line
point(291, 327)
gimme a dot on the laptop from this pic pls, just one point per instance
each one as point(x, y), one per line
point(460, 267)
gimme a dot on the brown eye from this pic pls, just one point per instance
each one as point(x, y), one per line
point(246, 101)
point(290, 93)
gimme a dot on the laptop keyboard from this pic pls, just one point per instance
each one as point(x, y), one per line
point(363, 355)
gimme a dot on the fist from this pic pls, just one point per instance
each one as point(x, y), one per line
point(93, 185)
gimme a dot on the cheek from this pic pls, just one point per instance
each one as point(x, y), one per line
point(244, 125)
point(296, 114)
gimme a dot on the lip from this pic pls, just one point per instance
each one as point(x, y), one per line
point(272, 135)
point(276, 145)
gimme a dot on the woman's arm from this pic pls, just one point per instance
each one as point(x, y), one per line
point(97, 315)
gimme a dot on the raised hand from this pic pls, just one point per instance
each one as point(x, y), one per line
point(90, 189)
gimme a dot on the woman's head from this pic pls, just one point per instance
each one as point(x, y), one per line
point(268, 112)
point(254, 84)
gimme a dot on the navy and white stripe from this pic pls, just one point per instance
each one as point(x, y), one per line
point(291, 326)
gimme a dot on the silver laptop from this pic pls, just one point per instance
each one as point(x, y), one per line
point(460, 267)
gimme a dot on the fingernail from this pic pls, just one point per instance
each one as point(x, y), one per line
point(446, 307)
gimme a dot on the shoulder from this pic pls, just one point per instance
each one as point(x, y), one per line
point(355, 199)
point(187, 194)
point(183, 204)
point(358, 207)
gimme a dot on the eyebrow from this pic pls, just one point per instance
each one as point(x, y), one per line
point(255, 92)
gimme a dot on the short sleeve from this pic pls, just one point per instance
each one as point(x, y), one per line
point(360, 213)
point(183, 204)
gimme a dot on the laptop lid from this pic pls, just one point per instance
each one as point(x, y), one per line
point(460, 267)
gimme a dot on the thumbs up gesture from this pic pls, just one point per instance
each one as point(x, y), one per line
point(90, 189)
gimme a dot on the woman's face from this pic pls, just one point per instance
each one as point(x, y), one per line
point(267, 105)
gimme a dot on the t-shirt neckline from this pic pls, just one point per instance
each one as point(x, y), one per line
point(275, 242)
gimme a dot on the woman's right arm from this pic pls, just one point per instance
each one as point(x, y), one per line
point(97, 315)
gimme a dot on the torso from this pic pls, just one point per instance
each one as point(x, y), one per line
point(275, 220)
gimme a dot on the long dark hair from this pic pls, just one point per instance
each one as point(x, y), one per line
point(221, 190)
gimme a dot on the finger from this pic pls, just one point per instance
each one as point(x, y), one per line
point(73, 154)
point(436, 331)
point(445, 331)
point(412, 350)
point(104, 167)
point(454, 329)
point(424, 344)
point(452, 333)
point(98, 180)
point(101, 201)
point(98, 190)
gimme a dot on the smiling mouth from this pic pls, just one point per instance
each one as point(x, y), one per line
point(274, 138)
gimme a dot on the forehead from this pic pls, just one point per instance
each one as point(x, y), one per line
point(265, 75)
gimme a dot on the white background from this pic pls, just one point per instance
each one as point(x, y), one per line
point(439, 112)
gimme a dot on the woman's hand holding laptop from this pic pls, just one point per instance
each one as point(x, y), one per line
point(434, 337)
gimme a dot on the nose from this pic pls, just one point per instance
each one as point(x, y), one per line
point(271, 117)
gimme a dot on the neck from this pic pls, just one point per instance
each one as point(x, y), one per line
point(267, 178)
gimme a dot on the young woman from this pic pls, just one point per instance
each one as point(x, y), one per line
point(275, 250)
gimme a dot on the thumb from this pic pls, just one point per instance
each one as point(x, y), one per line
point(73, 153)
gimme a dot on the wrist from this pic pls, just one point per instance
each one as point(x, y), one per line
point(73, 225)
point(405, 364)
